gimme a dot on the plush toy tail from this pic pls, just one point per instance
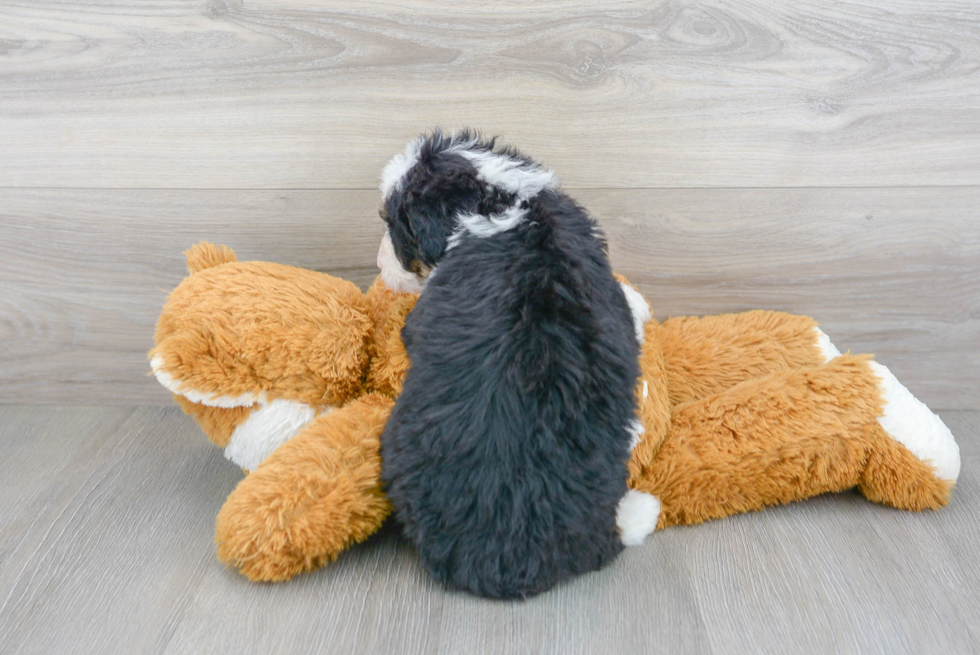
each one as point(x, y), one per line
point(207, 255)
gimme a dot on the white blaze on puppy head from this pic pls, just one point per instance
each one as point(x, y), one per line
point(393, 176)
point(522, 178)
point(492, 186)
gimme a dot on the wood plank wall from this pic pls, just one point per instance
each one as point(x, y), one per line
point(819, 157)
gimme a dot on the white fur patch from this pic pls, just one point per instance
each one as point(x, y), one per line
point(637, 516)
point(907, 420)
point(483, 226)
point(400, 164)
point(521, 178)
point(208, 398)
point(393, 273)
point(827, 349)
point(265, 429)
point(646, 389)
point(636, 431)
point(639, 308)
point(455, 237)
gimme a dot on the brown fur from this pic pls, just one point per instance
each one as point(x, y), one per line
point(688, 357)
point(217, 422)
point(389, 361)
point(207, 255)
point(714, 353)
point(740, 411)
point(312, 498)
point(250, 327)
point(784, 437)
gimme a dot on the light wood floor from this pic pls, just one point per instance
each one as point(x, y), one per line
point(106, 519)
point(813, 156)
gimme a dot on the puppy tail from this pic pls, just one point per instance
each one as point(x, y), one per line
point(207, 255)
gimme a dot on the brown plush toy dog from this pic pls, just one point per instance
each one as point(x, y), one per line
point(294, 373)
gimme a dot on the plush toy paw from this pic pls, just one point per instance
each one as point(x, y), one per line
point(907, 420)
point(312, 498)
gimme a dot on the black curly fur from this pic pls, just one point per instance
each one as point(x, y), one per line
point(505, 455)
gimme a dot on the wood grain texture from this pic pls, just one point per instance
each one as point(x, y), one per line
point(110, 551)
point(895, 272)
point(106, 555)
point(320, 93)
point(824, 571)
point(841, 142)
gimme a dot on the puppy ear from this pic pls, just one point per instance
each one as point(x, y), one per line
point(452, 188)
point(432, 230)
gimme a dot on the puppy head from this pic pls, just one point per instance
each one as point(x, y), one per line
point(442, 188)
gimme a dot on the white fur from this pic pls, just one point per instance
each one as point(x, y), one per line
point(455, 237)
point(265, 429)
point(208, 398)
point(637, 516)
point(827, 349)
point(636, 431)
point(646, 389)
point(483, 226)
point(393, 273)
point(639, 308)
point(400, 164)
point(521, 178)
point(524, 179)
point(912, 424)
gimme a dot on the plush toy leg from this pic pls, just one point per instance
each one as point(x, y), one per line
point(907, 420)
point(314, 496)
point(687, 358)
point(910, 437)
point(785, 437)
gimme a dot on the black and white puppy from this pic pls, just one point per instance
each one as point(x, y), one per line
point(505, 455)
